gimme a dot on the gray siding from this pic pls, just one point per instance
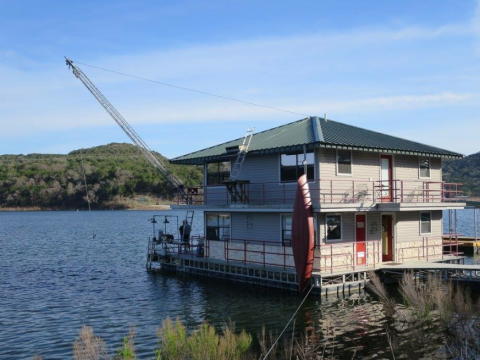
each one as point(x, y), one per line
point(374, 226)
point(408, 226)
point(260, 169)
point(261, 226)
point(406, 167)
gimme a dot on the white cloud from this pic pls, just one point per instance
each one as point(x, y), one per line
point(310, 74)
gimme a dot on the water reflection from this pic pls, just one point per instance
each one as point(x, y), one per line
point(55, 277)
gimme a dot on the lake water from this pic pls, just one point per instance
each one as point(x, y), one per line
point(56, 276)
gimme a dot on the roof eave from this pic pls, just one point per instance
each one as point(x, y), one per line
point(392, 151)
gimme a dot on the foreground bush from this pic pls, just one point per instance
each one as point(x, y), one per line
point(204, 343)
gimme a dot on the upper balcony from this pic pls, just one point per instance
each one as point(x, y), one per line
point(330, 195)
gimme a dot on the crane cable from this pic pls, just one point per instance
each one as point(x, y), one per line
point(289, 321)
point(191, 90)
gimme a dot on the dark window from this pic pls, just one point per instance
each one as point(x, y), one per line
point(424, 167)
point(218, 226)
point(344, 162)
point(287, 230)
point(292, 166)
point(334, 227)
point(217, 173)
point(425, 223)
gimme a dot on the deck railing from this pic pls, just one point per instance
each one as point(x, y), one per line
point(333, 258)
point(264, 253)
point(338, 191)
point(328, 258)
point(431, 248)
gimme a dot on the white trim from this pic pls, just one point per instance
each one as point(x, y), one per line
point(420, 222)
point(326, 228)
point(429, 167)
point(337, 173)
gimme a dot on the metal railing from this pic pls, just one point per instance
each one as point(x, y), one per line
point(334, 191)
point(433, 247)
point(344, 256)
point(197, 246)
point(256, 252)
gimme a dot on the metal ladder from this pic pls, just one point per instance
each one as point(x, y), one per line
point(189, 220)
point(242, 152)
point(189, 217)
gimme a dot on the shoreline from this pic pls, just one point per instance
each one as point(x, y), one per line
point(38, 208)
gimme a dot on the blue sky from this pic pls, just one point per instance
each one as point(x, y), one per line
point(406, 68)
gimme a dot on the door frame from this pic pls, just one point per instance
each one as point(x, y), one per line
point(389, 198)
point(394, 235)
point(355, 236)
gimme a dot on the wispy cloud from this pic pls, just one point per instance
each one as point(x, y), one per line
point(364, 70)
point(476, 26)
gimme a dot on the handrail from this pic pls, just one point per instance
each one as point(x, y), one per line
point(371, 252)
point(423, 250)
point(246, 255)
point(335, 191)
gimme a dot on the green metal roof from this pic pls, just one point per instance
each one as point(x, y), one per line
point(316, 132)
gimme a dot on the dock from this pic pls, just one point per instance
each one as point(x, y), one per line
point(456, 270)
point(466, 244)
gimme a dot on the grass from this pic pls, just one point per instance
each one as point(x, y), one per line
point(447, 306)
point(432, 311)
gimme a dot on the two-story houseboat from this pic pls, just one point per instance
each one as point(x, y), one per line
point(376, 199)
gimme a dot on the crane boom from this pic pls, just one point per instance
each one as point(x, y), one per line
point(131, 133)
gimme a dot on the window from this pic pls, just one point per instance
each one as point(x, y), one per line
point(287, 230)
point(424, 167)
point(218, 172)
point(218, 226)
point(344, 162)
point(334, 227)
point(425, 223)
point(292, 166)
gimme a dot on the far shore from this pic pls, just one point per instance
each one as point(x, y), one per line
point(38, 208)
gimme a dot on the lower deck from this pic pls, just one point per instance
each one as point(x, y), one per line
point(258, 264)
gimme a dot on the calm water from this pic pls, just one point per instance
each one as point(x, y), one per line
point(55, 277)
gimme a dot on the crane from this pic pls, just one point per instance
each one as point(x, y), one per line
point(171, 179)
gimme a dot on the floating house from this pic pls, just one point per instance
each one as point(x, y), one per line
point(375, 199)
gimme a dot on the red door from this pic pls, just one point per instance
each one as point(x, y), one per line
point(387, 238)
point(386, 169)
point(360, 238)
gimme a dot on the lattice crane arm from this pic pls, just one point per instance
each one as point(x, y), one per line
point(137, 140)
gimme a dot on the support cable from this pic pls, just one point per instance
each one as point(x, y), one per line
point(289, 321)
point(191, 90)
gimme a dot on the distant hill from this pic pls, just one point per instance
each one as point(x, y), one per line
point(465, 171)
point(114, 172)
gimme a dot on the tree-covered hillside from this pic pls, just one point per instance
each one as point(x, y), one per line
point(113, 172)
point(466, 171)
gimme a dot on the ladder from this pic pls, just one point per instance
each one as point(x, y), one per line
point(242, 153)
point(189, 220)
point(189, 217)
